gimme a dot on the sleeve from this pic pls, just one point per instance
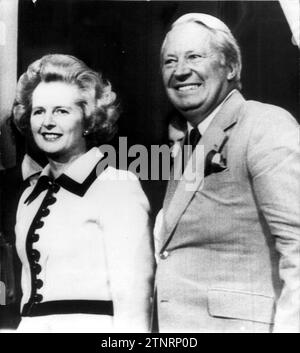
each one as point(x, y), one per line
point(274, 164)
point(129, 244)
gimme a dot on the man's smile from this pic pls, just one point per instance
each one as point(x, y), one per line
point(187, 87)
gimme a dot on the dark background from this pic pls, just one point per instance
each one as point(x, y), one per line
point(122, 39)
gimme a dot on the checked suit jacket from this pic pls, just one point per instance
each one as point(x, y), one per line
point(229, 247)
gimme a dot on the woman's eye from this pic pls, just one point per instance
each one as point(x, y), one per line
point(61, 111)
point(37, 112)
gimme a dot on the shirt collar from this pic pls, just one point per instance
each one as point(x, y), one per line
point(206, 122)
point(81, 167)
point(77, 178)
point(30, 168)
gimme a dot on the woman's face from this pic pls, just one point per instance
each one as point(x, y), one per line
point(56, 121)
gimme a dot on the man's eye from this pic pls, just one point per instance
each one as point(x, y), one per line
point(195, 57)
point(169, 62)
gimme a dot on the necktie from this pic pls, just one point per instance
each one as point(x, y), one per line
point(189, 146)
point(194, 137)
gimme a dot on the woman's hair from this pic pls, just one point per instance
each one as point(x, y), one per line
point(98, 103)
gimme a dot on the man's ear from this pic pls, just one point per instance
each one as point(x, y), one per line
point(232, 70)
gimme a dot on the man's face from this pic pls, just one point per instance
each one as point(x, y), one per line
point(193, 71)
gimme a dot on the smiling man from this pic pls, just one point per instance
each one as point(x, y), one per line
point(229, 252)
point(195, 71)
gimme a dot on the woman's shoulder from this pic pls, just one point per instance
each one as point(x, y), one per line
point(120, 183)
point(110, 173)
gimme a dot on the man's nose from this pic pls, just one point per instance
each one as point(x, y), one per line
point(182, 69)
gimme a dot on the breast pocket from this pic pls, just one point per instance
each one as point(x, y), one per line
point(219, 185)
point(223, 176)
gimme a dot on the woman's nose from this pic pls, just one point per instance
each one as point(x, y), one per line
point(49, 120)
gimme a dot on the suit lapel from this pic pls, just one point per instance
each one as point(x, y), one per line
point(179, 193)
point(175, 175)
point(192, 177)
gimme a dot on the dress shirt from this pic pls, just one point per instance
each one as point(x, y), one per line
point(206, 122)
point(30, 169)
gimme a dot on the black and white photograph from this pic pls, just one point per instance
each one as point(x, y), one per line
point(149, 169)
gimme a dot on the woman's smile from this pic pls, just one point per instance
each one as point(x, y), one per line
point(50, 136)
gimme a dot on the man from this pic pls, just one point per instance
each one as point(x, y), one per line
point(229, 257)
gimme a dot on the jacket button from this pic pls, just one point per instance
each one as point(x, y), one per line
point(39, 224)
point(45, 212)
point(50, 200)
point(36, 268)
point(164, 255)
point(38, 283)
point(37, 298)
point(35, 254)
point(35, 237)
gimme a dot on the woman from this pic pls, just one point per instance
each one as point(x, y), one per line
point(82, 231)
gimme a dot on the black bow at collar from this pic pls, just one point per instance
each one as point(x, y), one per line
point(49, 183)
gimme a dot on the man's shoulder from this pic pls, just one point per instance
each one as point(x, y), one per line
point(265, 112)
point(264, 116)
point(267, 126)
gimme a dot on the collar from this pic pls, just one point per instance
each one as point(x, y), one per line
point(202, 127)
point(76, 179)
point(81, 167)
point(30, 169)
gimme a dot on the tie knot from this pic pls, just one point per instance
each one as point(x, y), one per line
point(194, 137)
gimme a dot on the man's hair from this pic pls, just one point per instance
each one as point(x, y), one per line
point(98, 101)
point(222, 39)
